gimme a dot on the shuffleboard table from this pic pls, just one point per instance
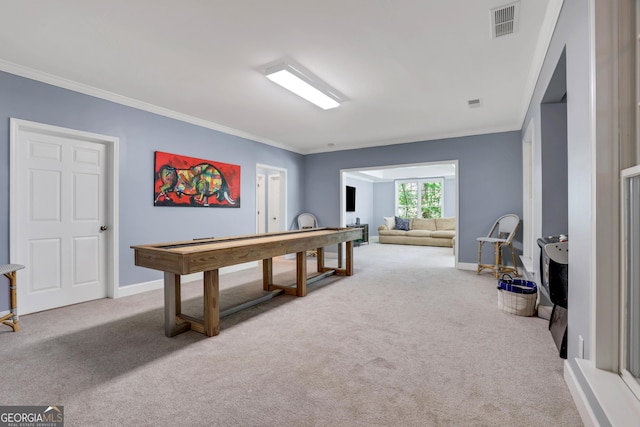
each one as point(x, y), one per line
point(209, 255)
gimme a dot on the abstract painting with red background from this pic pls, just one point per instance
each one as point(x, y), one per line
point(189, 181)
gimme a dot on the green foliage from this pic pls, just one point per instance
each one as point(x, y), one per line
point(407, 200)
point(425, 198)
point(431, 200)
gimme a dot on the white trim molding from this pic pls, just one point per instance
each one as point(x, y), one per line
point(619, 405)
point(111, 144)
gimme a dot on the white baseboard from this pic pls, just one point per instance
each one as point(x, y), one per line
point(471, 266)
point(579, 398)
point(618, 403)
point(544, 312)
point(467, 266)
point(528, 267)
point(138, 288)
point(153, 285)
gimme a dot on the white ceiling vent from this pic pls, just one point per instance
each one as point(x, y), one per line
point(504, 20)
point(474, 103)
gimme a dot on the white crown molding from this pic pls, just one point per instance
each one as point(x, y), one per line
point(61, 82)
point(74, 86)
point(423, 138)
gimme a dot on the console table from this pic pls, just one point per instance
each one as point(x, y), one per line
point(365, 233)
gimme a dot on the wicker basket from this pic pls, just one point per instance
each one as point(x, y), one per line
point(517, 296)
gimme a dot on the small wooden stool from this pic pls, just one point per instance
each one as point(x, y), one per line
point(11, 319)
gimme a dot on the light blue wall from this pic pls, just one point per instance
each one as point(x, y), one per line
point(383, 204)
point(141, 133)
point(555, 197)
point(489, 169)
point(449, 197)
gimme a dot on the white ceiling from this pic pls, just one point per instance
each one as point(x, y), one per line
point(406, 67)
point(424, 170)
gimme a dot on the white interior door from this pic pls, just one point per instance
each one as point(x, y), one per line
point(273, 209)
point(260, 203)
point(61, 208)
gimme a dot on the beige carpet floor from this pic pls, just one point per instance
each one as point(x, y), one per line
point(406, 341)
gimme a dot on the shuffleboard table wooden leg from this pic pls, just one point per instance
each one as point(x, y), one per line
point(211, 303)
point(301, 274)
point(349, 267)
point(172, 306)
point(267, 273)
point(320, 260)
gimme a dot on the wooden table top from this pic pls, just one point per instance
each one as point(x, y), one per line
point(191, 256)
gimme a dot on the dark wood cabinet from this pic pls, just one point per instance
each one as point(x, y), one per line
point(365, 233)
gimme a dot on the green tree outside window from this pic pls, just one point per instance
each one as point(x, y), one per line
point(419, 199)
point(431, 197)
point(407, 199)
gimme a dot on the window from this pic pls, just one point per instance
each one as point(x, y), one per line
point(629, 352)
point(630, 313)
point(606, 368)
point(407, 199)
point(419, 198)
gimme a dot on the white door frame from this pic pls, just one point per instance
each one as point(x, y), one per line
point(260, 203)
point(343, 172)
point(267, 170)
point(531, 202)
point(274, 217)
point(111, 146)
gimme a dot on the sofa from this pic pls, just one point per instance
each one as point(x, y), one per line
point(418, 231)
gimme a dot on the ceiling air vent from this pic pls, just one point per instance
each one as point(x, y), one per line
point(474, 103)
point(504, 20)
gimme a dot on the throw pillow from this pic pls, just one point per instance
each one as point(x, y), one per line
point(402, 224)
point(390, 222)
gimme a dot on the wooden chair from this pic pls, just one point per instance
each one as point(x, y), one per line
point(500, 235)
point(9, 271)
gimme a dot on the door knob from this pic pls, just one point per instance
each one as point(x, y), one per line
point(103, 228)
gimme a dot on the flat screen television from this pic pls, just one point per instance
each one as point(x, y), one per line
point(351, 199)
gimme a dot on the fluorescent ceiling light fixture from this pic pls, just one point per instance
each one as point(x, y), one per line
point(297, 82)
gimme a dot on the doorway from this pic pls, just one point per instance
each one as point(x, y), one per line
point(384, 177)
point(554, 179)
point(271, 199)
point(63, 215)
